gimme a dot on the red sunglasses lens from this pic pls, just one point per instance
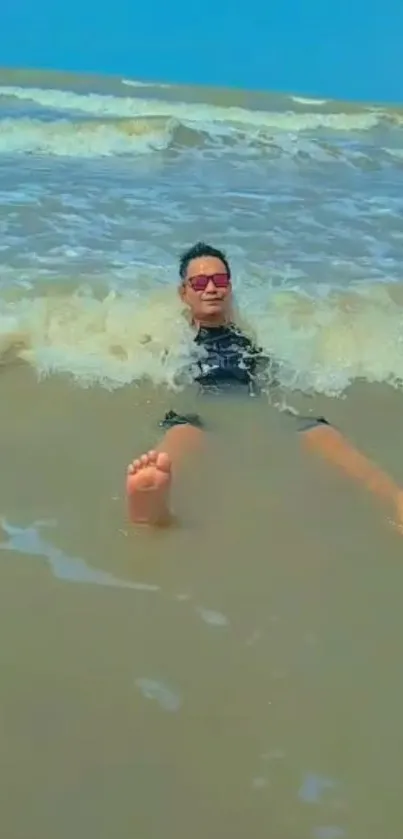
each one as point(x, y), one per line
point(201, 282)
point(221, 280)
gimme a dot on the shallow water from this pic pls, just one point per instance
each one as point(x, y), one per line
point(235, 675)
point(238, 675)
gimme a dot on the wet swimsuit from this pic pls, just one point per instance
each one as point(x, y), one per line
point(229, 360)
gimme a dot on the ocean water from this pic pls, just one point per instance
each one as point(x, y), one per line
point(105, 181)
point(237, 675)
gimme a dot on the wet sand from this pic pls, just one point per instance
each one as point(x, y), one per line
point(237, 676)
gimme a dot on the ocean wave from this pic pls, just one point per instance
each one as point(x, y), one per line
point(65, 123)
point(89, 138)
point(305, 100)
point(323, 343)
point(102, 105)
point(97, 137)
point(134, 83)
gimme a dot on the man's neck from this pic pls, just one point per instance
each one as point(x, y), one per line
point(211, 323)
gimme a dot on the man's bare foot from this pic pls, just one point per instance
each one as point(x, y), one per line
point(147, 486)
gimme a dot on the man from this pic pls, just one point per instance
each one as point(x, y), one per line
point(228, 360)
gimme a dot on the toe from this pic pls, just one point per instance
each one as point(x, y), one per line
point(144, 460)
point(152, 457)
point(163, 462)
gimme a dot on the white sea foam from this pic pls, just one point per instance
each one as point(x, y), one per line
point(133, 83)
point(304, 100)
point(91, 138)
point(191, 113)
point(323, 342)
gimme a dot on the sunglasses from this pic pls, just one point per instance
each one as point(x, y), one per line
point(201, 281)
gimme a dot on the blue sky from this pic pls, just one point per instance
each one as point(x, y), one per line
point(346, 49)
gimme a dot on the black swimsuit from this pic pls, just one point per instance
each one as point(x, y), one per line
point(229, 360)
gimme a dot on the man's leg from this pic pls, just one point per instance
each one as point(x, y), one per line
point(330, 444)
point(149, 477)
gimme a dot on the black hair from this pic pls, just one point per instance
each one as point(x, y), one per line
point(197, 251)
